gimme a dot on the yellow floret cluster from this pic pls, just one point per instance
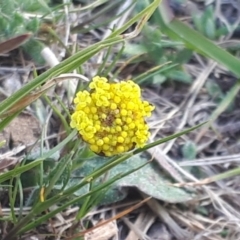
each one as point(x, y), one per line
point(110, 117)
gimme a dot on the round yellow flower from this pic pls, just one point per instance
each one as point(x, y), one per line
point(110, 117)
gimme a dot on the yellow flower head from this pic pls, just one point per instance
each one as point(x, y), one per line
point(110, 117)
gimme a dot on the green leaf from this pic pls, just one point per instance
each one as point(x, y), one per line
point(7, 7)
point(4, 28)
point(183, 56)
point(148, 179)
point(198, 22)
point(210, 28)
point(194, 40)
point(159, 79)
point(214, 91)
point(179, 76)
point(189, 151)
point(35, 172)
point(134, 49)
point(33, 25)
point(151, 181)
point(17, 24)
point(34, 6)
point(33, 48)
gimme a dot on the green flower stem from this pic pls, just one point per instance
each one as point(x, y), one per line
point(12, 199)
point(114, 61)
point(103, 64)
point(85, 204)
point(58, 113)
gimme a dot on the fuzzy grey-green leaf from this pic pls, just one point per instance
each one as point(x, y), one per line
point(148, 179)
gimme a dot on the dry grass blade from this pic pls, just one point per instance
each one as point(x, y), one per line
point(141, 225)
point(208, 180)
point(163, 214)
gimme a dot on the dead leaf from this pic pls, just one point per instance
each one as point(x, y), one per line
point(14, 42)
point(21, 104)
point(27, 100)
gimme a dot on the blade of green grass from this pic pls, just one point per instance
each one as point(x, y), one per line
point(18, 170)
point(177, 30)
point(79, 58)
point(76, 200)
point(66, 66)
